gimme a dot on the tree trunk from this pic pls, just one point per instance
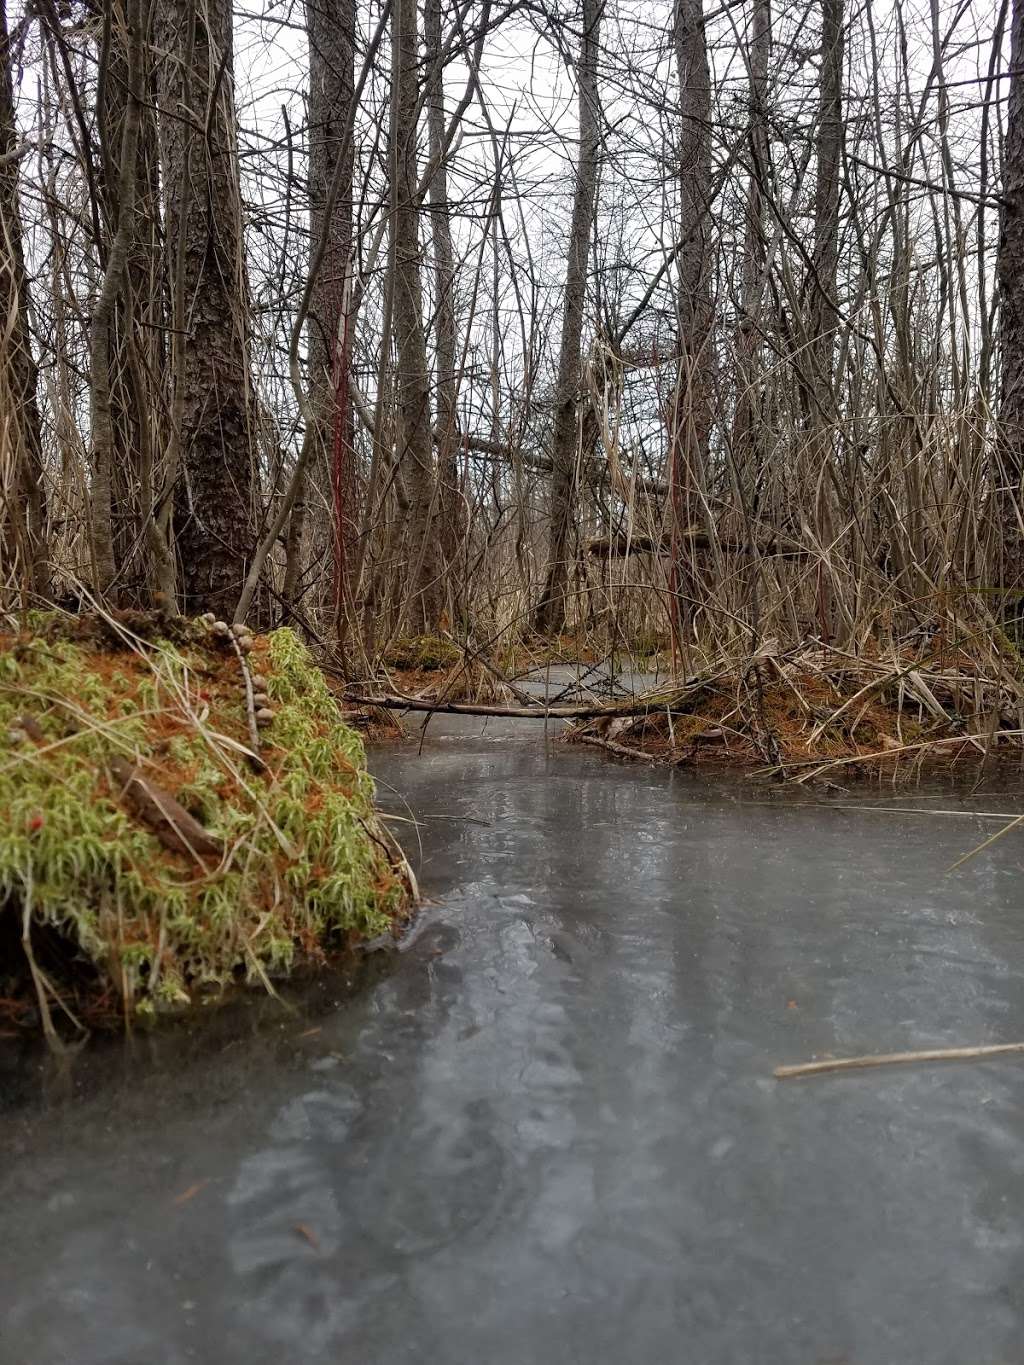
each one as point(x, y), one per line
point(691, 416)
point(446, 422)
point(213, 409)
point(24, 551)
point(414, 442)
point(745, 440)
point(549, 617)
point(330, 28)
point(1011, 298)
point(826, 198)
point(130, 348)
point(823, 311)
point(127, 39)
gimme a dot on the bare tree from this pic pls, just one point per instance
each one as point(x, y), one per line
point(822, 292)
point(23, 540)
point(414, 442)
point(446, 427)
point(1011, 291)
point(566, 457)
point(691, 416)
point(133, 25)
point(330, 26)
point(783, 423)
point(746, 435)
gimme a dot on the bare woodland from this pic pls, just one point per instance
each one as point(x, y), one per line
point(489, 317)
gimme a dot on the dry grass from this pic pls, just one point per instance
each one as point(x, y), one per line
point(805, 712)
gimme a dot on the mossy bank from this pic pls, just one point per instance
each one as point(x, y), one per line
point(148, 856)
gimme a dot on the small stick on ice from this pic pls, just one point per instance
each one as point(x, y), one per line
point(934, 1054)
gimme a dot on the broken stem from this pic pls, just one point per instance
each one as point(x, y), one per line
point(935, 1054)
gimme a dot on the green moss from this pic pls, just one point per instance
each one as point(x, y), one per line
point(423, 651)
point(305, 866)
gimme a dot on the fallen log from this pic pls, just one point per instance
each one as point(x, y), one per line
point(620, 545)
point(637, 707)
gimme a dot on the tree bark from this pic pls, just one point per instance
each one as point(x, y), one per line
point(745, 441)
point(549, 617)
point(214, 411)
point(133, 341)
point(131, 24)
point(1010, 268)
point(823, 285)
point(330, 28)
point(691, 416)
point(24, 550)
point(423, 596)
point(829, 143)
point(446, 421)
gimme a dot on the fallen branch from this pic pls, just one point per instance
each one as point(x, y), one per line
point(934, 1054)
point(1018, 819)
point(637, 707)
point(859, 809)
point(166, 817)
point(622, 750)
point(620, 545)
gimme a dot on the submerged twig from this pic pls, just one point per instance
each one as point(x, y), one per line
point(622, 750)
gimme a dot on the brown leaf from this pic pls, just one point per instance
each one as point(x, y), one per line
point(304, 1231)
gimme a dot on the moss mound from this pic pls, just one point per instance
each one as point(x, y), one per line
point(428, 652)
point(290, 862)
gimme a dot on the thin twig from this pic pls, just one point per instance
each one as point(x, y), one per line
point(1012, 824)
point(934, 1054)
point(622, 750)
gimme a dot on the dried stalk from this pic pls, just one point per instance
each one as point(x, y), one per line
point(935, 1054)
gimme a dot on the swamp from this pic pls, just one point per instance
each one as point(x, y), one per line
point(511, 682)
